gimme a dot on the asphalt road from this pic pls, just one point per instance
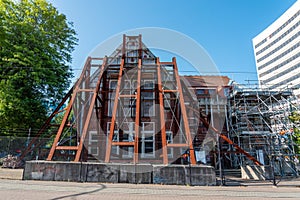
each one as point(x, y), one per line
point(51, 190)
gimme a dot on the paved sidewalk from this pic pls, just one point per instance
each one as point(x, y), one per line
point(15, 188)
point(7, 173)
point(36, 190)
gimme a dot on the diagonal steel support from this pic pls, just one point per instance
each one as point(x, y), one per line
point(184, 114)
point(34, 144)
point(224, 137)
point(114, 113)
point(90, 111)
point(84, 77)
point(68, 111)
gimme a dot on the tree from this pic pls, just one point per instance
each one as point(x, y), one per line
point(36, 42)
point(295, 118)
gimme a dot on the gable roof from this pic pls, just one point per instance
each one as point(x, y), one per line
point(207, 81)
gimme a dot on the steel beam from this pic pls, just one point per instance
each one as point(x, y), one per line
point(184, 114)
point(114, 113)
point(237, 147)
point(162, 115)
point(90, 111)
point(30, 146)
point(137, 112)
point(68, 110)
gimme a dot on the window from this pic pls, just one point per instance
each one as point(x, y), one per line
point(129, 87)
point(127, 136)
point(148, 84)
point(128, 107)
point(111, 96)
point(147, 104)
point(169, 135)
point(167, 101)
point(93, 143)
point(200, 91)
point(226, 92)
point(113, 84)
point(115, 150)
point(212, 91)
point(148, 140)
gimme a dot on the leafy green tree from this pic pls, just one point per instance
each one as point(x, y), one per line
point(295, 118)
point(36, 42)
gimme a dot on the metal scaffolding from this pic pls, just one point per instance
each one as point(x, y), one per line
point(259, 123)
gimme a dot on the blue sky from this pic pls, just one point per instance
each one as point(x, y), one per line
point(224, 28)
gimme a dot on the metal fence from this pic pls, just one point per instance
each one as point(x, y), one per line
point(11, 146)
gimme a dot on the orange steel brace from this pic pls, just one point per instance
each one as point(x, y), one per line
point(162, 115)
point(224, 137)
point(46, 124)
point(184, 114)
point(113, 118)
point(61, 127)
point(140, 46)
point(137, 112)
point(90, 111)
point(124, 46)
point(68, 111)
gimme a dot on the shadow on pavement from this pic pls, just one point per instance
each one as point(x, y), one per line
point(82, 193)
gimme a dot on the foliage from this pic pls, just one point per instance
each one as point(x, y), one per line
point(36, 42)
point(295, 118)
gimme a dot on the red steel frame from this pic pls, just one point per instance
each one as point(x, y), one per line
point(189, 142)
point(85, 77)
point(34, 142)
point(137, 112)
point(162, 114)
point(77, 89)
point(114, 114)
point(137, 96)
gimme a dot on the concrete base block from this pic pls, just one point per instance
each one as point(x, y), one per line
point(200, 175)
point(144, 173)
point(139, 173)
point(100, 172)
point(170, 175)
point(39, 170)
point(68, 171)
point(52, 171)
point(119, 173)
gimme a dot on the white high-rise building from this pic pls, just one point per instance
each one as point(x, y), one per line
point(277, 52)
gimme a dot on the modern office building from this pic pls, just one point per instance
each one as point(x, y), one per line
point(277, 52)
